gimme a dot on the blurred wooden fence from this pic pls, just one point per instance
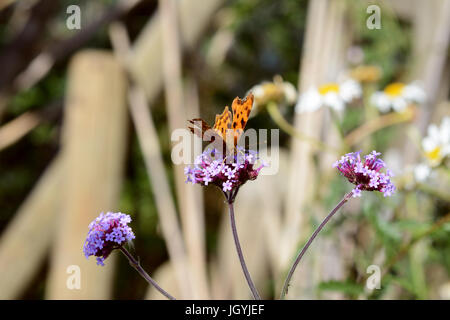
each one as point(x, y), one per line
point(85, 179)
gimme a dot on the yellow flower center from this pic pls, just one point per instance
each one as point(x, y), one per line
point(434, 155)
point(394, 89)
point(329, 87)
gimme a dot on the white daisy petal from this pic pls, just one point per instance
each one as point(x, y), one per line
point(433, 132)
point(399, 104)
point(350, 90)
point(309, 101)
point(445, 151)
point(381, 101)
point(414, 93)
point(429, 144)
point(445, 131)
point(333, 100)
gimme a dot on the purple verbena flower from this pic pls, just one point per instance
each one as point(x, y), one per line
point(356, 192)
point(365, 174)
point(107, 232)
point(227, 186)
point(226, 172)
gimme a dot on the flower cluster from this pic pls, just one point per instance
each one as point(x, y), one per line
point(398, 96)
point(365, 174)
point(226, 172)
point(332, 95)
point(107, 232)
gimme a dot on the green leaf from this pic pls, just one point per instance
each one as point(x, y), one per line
point(347, 287)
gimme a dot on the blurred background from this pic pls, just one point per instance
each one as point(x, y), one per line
point(90, 92)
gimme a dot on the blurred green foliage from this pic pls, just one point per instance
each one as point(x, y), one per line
point(388, 47)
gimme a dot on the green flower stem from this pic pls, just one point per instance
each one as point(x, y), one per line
point(251, 285)
point(144, 274)
point(313, 236)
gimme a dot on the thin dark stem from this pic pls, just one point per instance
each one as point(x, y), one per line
point(233, 195)
point(313, 236)
point(241, 256)
point(144, 274)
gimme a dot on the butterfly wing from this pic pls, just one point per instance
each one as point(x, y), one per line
point(199, 127)
point(241, 111)
point(223, 123)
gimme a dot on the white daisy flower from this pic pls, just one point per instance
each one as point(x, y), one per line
point(397, 96)
point(436, 145)
point(278, 91)
point(332, 95)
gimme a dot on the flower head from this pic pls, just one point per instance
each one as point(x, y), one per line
point(333, 95)
point(366, 173)
point(398, 96)
point(278, 91)
point(107, 232)
point(436, 145)
point(226, 172)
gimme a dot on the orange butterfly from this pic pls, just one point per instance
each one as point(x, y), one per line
point(224, 122)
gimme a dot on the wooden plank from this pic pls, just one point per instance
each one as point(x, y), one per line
point(154, 163)
point(151, 151)
point(145, 60)
point(94, 142)
point(28, 236)
point(321, 61)
point(176, 109)
point(301, 166)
